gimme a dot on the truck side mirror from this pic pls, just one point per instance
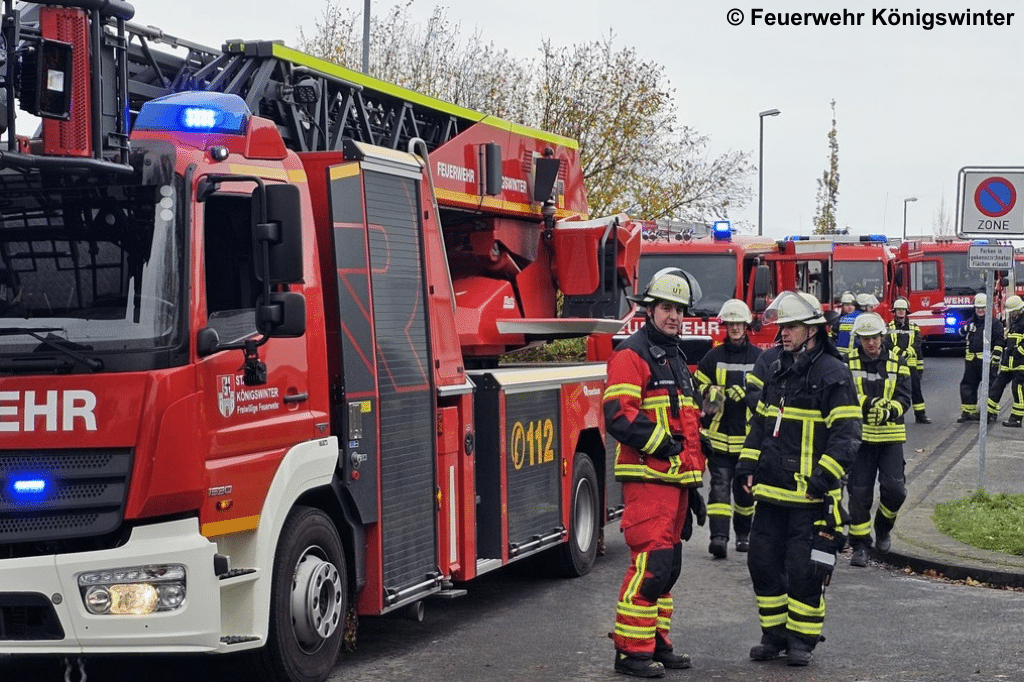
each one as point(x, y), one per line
point(281, 231)
point(762, 282)
point(283, 316)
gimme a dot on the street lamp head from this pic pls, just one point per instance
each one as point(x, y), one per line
point(770, 112)
point(909, 199)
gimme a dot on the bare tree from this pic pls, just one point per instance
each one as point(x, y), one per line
point(620, 107)
point(942, 221)
point(828, 184)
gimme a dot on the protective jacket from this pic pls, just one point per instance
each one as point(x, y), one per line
point(806, 430)
point(974, 332)
point(906, 336)
point(841, 332)
point(883, 389)
point(726, 366)
point(1013, 355)
point(651, 409)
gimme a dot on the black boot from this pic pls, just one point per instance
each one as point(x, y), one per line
point(992, 416)
point(638, 666)
point(769, 649)
point(1014, 421)
point(883, 540)
point(922, 418)
point(743, 540)
point(719, 546)
point(799, 651)
point(664, 654)
point(860, 556)
point(964, 418)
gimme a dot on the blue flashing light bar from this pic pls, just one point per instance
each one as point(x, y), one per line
point(795, 238)
point(722, 230)
point(951, 320)
point(196, 112)
point(874, 238)
point(28, 487)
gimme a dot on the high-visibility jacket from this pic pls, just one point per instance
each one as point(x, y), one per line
point(651, 409)
point(842, 332)
point(727, 366)
point(807, 427)
point(882, 383)
point(906, 337)
point(1013, 354)
point(974, 331)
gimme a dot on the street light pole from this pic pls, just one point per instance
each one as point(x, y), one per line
point(366, 37)
point(760, 168)
point(905, 202)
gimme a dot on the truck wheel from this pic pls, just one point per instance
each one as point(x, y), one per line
point(308, 599)
point(576, 556)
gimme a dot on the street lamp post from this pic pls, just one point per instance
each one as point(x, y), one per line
point(905, 202)
point(760, 168)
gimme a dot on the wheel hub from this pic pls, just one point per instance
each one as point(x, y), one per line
point(316, 600)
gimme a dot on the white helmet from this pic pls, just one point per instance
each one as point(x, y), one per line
point(901, 304)
point(794, 306)
point(672, 285)
point(866, 299)
point(847, 298)
point(868, 324)
point(980, 301)
point(1014, 304)
point(735, 310)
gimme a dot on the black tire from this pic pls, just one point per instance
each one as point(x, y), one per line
point(308, 601)
point(576, 556)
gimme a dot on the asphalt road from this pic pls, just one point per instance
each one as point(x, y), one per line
point(519, 624)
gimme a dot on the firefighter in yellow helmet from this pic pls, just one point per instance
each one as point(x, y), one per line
point(882, 378)
point(1011, 369)
point(802, 441)
point(721, 378)
point(651, 407)
point(905, 335)
point(974, 333)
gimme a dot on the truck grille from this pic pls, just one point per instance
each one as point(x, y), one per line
point(85, 496)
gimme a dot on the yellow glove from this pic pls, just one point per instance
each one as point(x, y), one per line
point(877, 416)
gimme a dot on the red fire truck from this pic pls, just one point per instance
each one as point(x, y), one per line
point(940, 317)
point(251, 310)
point(726, 266)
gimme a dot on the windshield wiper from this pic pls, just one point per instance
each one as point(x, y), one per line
point(92, 363)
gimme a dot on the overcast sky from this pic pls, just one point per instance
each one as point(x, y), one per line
point(913, 106)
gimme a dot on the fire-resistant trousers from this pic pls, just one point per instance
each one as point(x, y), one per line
point(884, 461)
point(720, 506)
point(652, 523)
point(995, 393)
point(790, 593)
point(916, 396)
point(969, 386)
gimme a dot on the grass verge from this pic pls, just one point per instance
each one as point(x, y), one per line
point(984, 520)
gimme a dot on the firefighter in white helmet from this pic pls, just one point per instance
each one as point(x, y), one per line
point(841, 326)
point(651, 409)
point(882, 378)
point(905, 335)
point(1011, 369)
point(721, 374)
point(974, 333)
point(802, 441)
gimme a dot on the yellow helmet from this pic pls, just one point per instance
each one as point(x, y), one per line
point(735, 310)
point(1014, 304)
point(901, 304)
point(670, 284)
point(794, 306)
point(868, 324)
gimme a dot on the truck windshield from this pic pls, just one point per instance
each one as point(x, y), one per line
point(958, 278)
point(859, 277)
point(99, 269)
point(716, 275)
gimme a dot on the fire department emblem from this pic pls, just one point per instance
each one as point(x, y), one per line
point(926, 301)
point(226, 395)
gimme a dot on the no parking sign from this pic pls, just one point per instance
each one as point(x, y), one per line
point(988, 203)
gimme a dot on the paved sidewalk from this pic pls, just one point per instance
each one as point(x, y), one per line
point(947, 470)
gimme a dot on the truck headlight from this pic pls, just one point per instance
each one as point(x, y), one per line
point(135, 590)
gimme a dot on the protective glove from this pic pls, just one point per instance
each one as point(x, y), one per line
point(868, 405)
point(736, 392)
point(877, 416)
point(818, 484)
point(695, 509)
point(714, 399)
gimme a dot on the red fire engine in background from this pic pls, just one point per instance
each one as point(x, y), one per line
point(251, 309)
point(940, 317)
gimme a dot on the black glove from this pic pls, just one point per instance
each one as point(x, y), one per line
point(869, 403)
point(694, 509)
point(819, 483)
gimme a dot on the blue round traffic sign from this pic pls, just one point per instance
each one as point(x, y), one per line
point(995, 197)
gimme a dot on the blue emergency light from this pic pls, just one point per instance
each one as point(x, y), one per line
point(795, 238)
point(28, 487)
point(722, 230)
point(951, 320)
point(881, 238)
point(195, 112)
